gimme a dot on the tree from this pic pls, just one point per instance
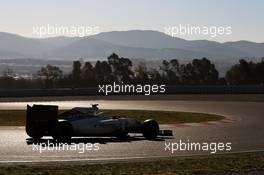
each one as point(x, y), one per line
point(141, 74)
point(260, 72)
point(103, 72)
point(50, 74)
point(246, 73)
point(155, 77)
point(76, 73)
point(121, 68)
point(170, 71)
point(240, 73)
point(199, 71)
point(88, 74)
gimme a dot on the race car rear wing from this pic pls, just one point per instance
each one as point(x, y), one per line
point(40, 118)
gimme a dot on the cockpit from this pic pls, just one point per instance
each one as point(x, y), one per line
point(78, 113)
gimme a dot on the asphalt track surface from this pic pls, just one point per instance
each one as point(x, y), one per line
point(243, 128)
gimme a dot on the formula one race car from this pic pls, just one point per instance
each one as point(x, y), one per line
point(43, 120)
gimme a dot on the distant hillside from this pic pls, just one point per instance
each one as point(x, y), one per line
point(133, 44)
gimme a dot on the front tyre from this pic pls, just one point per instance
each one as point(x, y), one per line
point(150, 129)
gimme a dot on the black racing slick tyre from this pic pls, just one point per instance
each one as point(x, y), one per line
point(62, 131)
point(150, 129)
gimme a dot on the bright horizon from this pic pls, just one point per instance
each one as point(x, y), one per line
point(245, 17)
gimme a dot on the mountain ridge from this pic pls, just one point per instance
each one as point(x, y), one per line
point(147, 44)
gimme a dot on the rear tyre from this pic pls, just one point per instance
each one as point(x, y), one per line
point(150, 129)
point(35, 131)
point(62, 131)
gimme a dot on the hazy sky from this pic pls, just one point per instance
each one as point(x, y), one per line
point(244, 16)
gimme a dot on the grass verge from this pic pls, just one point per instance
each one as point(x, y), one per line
point(17, 117)
point(243, 163)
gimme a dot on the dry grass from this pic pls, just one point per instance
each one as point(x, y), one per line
point(18, 117)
